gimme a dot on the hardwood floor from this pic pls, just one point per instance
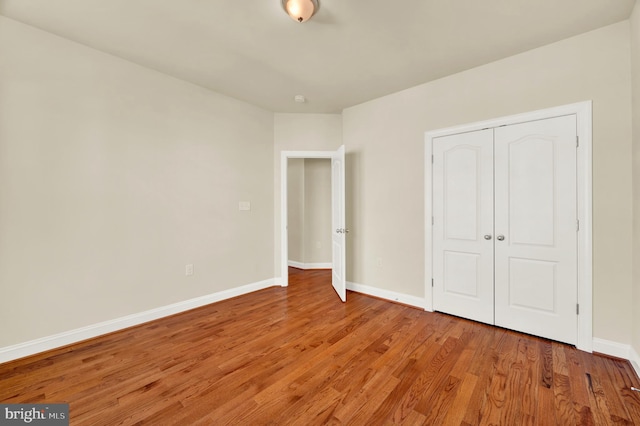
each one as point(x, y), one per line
point(299, 356)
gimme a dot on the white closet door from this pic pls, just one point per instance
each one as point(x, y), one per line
point(463, 225)
point(535, 226)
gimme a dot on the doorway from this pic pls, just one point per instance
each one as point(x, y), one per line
point(309, 213)
point(338, 230)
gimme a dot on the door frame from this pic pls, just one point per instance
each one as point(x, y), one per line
point(284, 213)
point(583, 113)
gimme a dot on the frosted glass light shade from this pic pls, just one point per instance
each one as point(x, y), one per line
point(300, 10)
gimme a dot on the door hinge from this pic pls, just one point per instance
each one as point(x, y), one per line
point(577, 309)
point(432, 159)
point(431, 282)
point(433, 220)
point(577, 141)
point(577, 225)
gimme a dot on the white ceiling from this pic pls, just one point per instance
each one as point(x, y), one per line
point(351, 51)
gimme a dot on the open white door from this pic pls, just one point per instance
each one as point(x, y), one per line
point(338, 222)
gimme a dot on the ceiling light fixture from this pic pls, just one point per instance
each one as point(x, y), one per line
point(300, 10)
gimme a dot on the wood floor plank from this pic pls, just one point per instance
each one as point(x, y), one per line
point(407, 379)
point(378, 385)
point(427, 381)
point(376, 391)
point(483, 366)
point(579, 388)
point(563, 400)
point(299, 356)
point(502, 399)
point(624, 376)
point(597, 400)
point(456, 412)
point(612, 391)
point(435, 398)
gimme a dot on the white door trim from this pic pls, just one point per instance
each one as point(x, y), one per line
point(583, 112)
point(284, 235)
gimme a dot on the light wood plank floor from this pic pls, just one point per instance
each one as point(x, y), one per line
point(299, 356)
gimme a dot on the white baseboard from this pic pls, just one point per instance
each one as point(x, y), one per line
point(301, 265)
point(635, 362)
point(608, 347)
point(406, 299)
point(43, 344)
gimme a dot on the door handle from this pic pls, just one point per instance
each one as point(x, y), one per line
point(500, 237)
point(487, 237)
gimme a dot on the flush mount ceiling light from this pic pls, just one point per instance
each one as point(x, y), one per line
point(300, 10)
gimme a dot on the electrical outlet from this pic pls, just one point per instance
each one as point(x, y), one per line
point(188, 270)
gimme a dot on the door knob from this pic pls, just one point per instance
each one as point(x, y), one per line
point(500, 237)
point(487, 237)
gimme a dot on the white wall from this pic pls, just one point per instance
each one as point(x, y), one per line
point(384, 139)
point(309, 212)
point(635, 72)
point(317, 211)
point(300, 132)
point(112, 178)
point(296, 210)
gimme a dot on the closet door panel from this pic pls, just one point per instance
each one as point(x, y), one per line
point(535, 226)
point(463, 216)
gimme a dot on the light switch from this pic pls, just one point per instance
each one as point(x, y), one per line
point(244, 205)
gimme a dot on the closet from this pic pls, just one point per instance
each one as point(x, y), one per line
point(504, 226)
